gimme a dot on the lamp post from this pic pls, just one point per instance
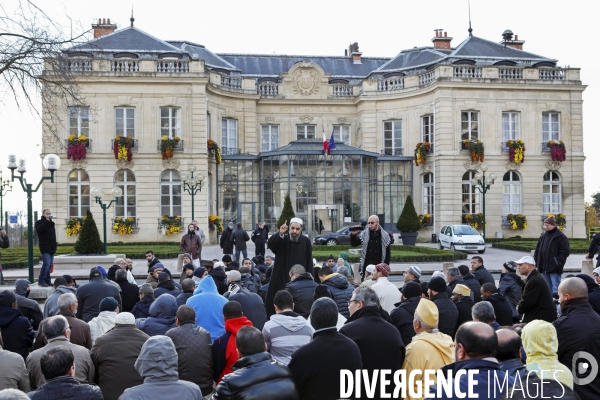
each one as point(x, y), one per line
point(51, 163)
point(97, 193)
point(483, 184)
point(5, 187)
point(192, 184)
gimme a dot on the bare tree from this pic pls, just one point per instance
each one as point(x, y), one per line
point(32, 67)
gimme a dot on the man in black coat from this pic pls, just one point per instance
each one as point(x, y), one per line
point(217, 272)
point(188, 285)
point(15, 329)
point(290, 249)
point(448, 319)
point(379, 342)
point(375, 242)
point(166, 285)
point(252, 304)
point(536, 301)
point(593, 291)
point(461, 296)
point(594, 248)
point(28, 307)
point(259, 237)
point(142, 308)
point(577, 330)
point(225, 242)
point(239, 237)
point(551, 253)
point(129, 291)
point(152, 260)
point(316, 366)
point(502, 308)
point(470, 281)
point(302, 288)
point(403, 315)
point(46, 233)
point(480, 272)
point(91, 294)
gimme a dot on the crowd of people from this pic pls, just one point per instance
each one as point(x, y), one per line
point(282, 326)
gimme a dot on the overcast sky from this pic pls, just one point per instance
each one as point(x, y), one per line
point(555, 29)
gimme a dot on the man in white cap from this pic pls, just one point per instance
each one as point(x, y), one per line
point(290, 249)
point(536, 300)
point(375, 243)
point(369, 281)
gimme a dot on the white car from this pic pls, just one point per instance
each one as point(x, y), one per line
point(461, 237)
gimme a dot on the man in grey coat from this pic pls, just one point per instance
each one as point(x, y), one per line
point(157, 364)
point(60, 288)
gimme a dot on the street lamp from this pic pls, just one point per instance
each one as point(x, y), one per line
point(5, 187)
point(483, 184)
point(51, 163)
point(97, 193)
point(192, 184)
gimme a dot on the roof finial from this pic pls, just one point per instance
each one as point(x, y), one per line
point(132, 19)
point(470, 29)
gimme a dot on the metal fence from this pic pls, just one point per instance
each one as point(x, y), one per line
point(17, 232)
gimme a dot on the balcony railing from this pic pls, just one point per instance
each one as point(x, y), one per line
point(467, 72)
point(503, 146)
point(161, 224)
point(230, 150)
point(231, 82)
point(123, 65)
point(88, 147)
point(386, 85)
point(394, 152)
point(343, 90)
point(510, 73)
point(179, 146)
point(427, 78)
point(552, 74)
point(545, 147)
point(76, 65)
point(505, 221)
point(266, 88)
point(134, 146)
point(173, 66)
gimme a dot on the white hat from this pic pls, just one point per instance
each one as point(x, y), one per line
point(597, 271)
point(370, 268)
point(526, 259)
point(298, 220)
point(125, 318)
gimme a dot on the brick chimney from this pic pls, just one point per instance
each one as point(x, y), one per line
point(354, 53)
point(441, 40)
point(103, 27)
point(516, 43)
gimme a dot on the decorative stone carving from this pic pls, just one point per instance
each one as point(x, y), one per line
point(124, 164)
point(342, 120)
point(553, 165)
point(306, 119)
point(79, 164)
point(305, 81)
point(511, 166)
point(269, 120)
point(472, 165)
point(470, 105)
point(170, 164)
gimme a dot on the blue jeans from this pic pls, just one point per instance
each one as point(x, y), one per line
point(553, 281)
point(237, 255)
point(47, 260)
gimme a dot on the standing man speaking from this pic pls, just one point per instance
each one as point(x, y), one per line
point(375, 244)
point(47, 241)
point(289, 249)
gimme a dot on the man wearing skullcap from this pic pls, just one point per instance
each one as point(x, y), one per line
point(551, 253)
point(412, 274)
point(375, 243)
point(387, 292)
point(369, 281)
point(429, 349)
point(290, 248)
point(461, 296)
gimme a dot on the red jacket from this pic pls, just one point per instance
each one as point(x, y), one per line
point(224, 349)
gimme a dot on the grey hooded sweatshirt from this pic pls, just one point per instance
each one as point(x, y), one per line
point(157, 364)
point(51, 304)
point(30, 309)
point(285, 333)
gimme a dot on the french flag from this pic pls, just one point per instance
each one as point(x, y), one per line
point(325, 144)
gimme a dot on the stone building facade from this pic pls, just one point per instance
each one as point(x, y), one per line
point(268, 114)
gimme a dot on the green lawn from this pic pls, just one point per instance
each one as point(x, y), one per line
point(399, 254)
point(578, 246)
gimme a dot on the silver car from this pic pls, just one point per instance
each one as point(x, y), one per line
point(461, 237)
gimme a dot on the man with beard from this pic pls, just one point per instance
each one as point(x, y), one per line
point(192, 244)
point(290, 249)
point(375, 244)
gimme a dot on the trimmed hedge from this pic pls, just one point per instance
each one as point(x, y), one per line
point(577, 246)
point(403, 254)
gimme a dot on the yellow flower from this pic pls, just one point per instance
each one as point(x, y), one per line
point(176, 138)
point(71, 137)
point(164, 138)
point(83, 138)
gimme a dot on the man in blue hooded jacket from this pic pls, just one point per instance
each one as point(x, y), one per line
point(208, 304)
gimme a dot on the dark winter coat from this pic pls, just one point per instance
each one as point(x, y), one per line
point(464, 307)
point(340, 290)
point(167, 287)
point(66, 388)
point(16, 331)
point(252, 307)
point(129, 294)
point(483, 276)
point(183, 297)
point(302, 290)
point(316, 366)
point(259, 236)
point(142, 308)
point(80, 332)
point(448, 314)
point(552, 251)
point(112, 272)
point(511, 287)
point(502, 309)
point(593, 291)
point(248, 283)
point(537, 302)
point(46, 233)
point(152, 263)
point(162, 316)
point(577, 330)
point(257, 377)
point(91, 294)
point(220, 278)
point(379, 342)
point(191, 244)
point(455, 281)
point(374, 248)
point(402, 317)
point(226, 242)
point(239, 237)
point(29, 308)
point(472, 283)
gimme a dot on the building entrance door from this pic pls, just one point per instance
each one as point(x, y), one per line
point(247, 215)
point(324, 218)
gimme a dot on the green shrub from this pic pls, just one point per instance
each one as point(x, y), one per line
point(89, 241)
point(408, 220)
point(287, 213)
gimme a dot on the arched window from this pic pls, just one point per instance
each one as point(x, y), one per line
point(552, 192)
point(125, 206)
point(428, 194)
point(470, 195)
point(79, 193)
point(511, 193)
point(170, 193)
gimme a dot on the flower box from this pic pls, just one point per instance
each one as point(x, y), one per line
point(516, 151)
point(558, 152)
point(475, 148)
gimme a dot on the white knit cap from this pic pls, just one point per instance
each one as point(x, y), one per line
point(298, 220)
point(597, 271)
point(125, 318)
point(370, 268)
